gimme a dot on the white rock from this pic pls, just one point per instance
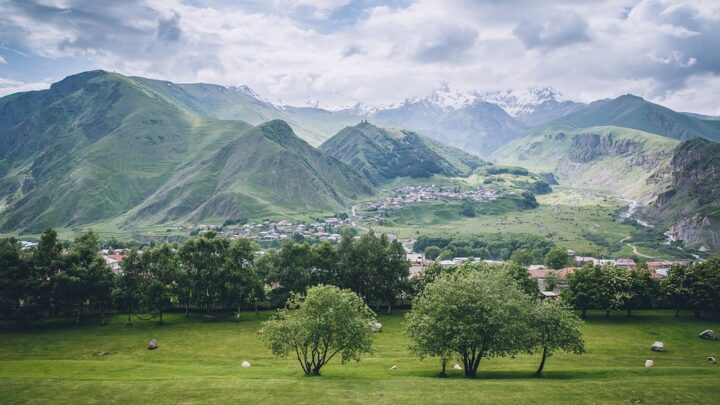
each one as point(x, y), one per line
point(394, 367)
point(457, 367)
point(376, 326)
point(711, 360)
point(658, 347)
point(245, 364)
point(649, 363)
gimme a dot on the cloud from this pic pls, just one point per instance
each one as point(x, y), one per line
point(559, 31)
point(9, 86)
point(380, 51)
point(3, 61)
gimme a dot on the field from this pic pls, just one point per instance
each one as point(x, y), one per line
point(199, 362)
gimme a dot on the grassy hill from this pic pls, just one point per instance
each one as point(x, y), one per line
point(98, 146)
point(634, 112)
point(384, 154)
point(265, 168)
point(197, 360)
point(612, 159)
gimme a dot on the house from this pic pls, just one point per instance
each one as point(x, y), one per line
point(627, 263)
point(583, 260)
point(604, 262)
point(548, 294)
point(447, 263)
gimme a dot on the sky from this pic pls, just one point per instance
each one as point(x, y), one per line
point(339, 52)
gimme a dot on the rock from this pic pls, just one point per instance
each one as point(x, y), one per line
point(711, 360)
point(708, 334)
point(394, 367)
point(153, 344)
point(245, 364)
point(457, 367)
point(376, 326)
point(103, 353)
point(649, 363)
point(658, 347)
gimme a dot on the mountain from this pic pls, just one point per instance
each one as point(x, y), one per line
point(242, 103)
point(99, 145)
point(533, 106)
point(612, 159)
point(383, 154)
point(635, 112)
point(690, 205)
point(263, 170)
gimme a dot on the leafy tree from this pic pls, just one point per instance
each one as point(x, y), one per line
point(584, 288)
point(288, 269)
point(557, 258)
point(202, 259)
point(522, 278)
point(46, 261)
point(555, 327)
point(432, 252)
point(87, 280)
point(159, 268)
point(642, 290)
point(675, 287)
point(326, 322)
point(467, 209)
point(703, 284)
point(13, 280)
point(615, 290)
point(242, 282)
point(472, 314)
point(522, 257)
point(128, 292)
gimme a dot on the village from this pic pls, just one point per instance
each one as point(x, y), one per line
point(409, 195)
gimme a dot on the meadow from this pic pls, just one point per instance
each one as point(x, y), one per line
point(198, 361)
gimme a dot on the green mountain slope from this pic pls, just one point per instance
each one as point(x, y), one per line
point(634, 112)
point(690, 205)
point(241, 103)
point(613, 159)
point(92, 146)
point(383, 154)
point(264, 169)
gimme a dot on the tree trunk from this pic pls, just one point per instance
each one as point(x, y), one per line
point(161, 318)
point(677, 312)
point(539, 371)
point(187, 309)
point(129, 321)
point(443, 362)
point(389, 308)
point(583, 313)
point(102, 314)
point(697, 312)
point(629, 312)
point(607, 313)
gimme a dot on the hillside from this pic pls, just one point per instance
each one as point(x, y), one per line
point(383, 154)
point(617, 160)
point(264, 169)
point(98, 145)
point(634, 112)
point(690, 205)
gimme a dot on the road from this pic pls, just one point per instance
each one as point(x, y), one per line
point(352, 218)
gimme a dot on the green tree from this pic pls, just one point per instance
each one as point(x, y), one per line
point(202, 259)
point(242, 284)
point(675, 287)
point(615, 289)
point(159, 268)
point(584, 288)
point(326, 322)
point(432, 252)
point(555, 327)
point(522, 257)
point(128, 292)
point(472, 314)
point(643, 289)
point(46, 261)
point(557, 258)
point(14, 281)
point(87, 281)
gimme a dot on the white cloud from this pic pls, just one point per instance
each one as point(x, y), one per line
point(3, 61)
point(9, 86)
point(588, 50)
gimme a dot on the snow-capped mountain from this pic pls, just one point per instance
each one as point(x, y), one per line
point(246, 90)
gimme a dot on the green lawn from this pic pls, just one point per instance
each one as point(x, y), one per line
point(199, 362)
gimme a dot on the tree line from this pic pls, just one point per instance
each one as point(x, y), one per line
point(204, 273)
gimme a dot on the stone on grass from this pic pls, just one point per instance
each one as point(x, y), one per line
point(394, 367)
point(649, 363)
point(711, 360)
point(457, 367)
point(245, 364)
point(376, 326)
point(708, 334)
point(153, 344)
point(103, 353)
point(658, 347)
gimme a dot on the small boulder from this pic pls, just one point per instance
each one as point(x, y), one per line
point(649, 363)
point(394, 367)
point(711, 360)
point(457, 367)
point(153, 344)
point(103, 353)
point(376, 326)
point(708, 334)
point(658, 347)
point(245, 364)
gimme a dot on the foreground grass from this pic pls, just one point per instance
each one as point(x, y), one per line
point(199, 362)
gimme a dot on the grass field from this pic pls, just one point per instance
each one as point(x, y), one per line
point(199, 362)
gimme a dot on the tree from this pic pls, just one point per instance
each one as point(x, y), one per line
point(242, 283)
point(557, 258)
point(522, 278)
point(675, 287)
point(472, 314)
point(584, 288)
point(159, 267)
point(128, 292)
point(522, 257)
point(555, 327)
point(432, 252)
point(703, 283)
point(13, 280)
point(315, 328)
point(615, 289)
point(46, 261)
point(202, 259)
point(642, 290)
